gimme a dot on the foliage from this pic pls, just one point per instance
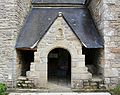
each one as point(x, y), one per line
point(116, 90)
point(2, 89)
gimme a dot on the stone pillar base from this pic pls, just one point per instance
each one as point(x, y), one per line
point(38, 80)
point(79, 75)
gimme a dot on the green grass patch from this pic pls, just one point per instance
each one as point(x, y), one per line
point(3, 89)
point(116, 90)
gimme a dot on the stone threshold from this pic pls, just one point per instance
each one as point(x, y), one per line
point(72, 93)
point(46, 90)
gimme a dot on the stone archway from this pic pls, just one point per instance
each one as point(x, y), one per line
point(59, 36)
point(59, 66)
point(39, 69)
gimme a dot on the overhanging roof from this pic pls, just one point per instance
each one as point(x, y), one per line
point(40, 19)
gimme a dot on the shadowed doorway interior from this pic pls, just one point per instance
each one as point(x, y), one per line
point(59, 66)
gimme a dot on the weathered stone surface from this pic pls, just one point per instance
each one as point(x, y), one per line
point(23, 82)
point(32, 66)
point(22, 78)
point(78, 70)
point(107, 80)
point(77, 84)
point(72, 93)
point(54, 39)
point(81, 76)
point(106, 15)
point(114, 80)
point(111, 72)
point(40, 67)
point(12, 15)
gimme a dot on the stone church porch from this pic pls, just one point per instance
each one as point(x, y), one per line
point(63, 49)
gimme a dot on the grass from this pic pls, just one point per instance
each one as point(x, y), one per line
point(116, 90)
point(3, 89)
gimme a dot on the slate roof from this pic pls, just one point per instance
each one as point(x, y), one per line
point(60, 1)
point(40, 20)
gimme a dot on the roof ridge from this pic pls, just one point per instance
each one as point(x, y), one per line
point(60, 1)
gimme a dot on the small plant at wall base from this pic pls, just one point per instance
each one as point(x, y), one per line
point(2, 89)
point(116, 90)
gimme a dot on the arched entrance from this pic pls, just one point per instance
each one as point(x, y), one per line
point(59, 66)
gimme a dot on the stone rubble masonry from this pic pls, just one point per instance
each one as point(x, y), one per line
point(59, 36)
point(106, 14)
point(12, 16)
point(107, 18)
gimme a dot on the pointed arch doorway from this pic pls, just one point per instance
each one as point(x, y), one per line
point(59, 66)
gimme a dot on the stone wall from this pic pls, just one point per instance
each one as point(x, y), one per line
point(22, 9)
point(11, 18)
point(107, 16)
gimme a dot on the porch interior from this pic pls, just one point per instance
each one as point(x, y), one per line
point(59, 67)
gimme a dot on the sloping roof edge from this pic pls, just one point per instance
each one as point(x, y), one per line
point(40, 19)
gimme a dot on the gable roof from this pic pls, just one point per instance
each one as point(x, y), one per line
point(40, 19)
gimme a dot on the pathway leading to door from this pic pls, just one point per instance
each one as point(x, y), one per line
point(59, 84)
point(54, 88)
point(58, 87)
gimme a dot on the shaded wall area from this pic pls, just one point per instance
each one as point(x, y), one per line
point(25, 57)
point(92, 60)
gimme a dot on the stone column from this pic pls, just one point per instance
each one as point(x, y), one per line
point(37, 71)
point(79, 72)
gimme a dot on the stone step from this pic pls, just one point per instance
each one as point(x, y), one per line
point(22, 78)
point(94, 83)
point(24, 82)
point(72, 93)
point(96, 79)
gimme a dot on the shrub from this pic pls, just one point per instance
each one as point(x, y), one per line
point(116, 90)
point(2, 89)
